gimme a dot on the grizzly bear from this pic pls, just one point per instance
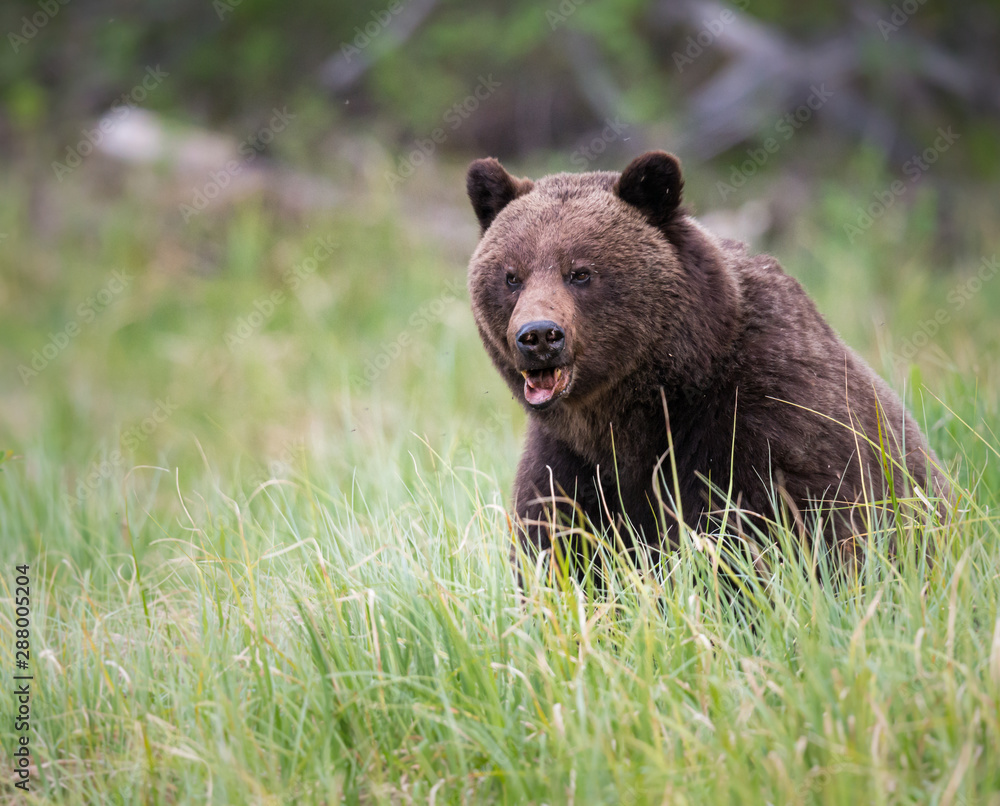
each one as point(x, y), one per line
point(631, 333)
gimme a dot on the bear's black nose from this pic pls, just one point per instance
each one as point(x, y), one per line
point(541, 340)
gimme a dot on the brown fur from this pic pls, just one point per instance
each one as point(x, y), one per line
point(739, 355)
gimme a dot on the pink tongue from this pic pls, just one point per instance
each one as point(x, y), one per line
point(538, 387)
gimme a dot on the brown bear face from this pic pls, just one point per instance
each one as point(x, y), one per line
point(575, 281)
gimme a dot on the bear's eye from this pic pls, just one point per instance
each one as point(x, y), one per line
point(579, 277)
point(512, 281)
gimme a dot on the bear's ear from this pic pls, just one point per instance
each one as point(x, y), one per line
point(491, 189)
point(652, 183)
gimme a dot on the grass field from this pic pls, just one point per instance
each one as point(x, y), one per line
point(258, 464)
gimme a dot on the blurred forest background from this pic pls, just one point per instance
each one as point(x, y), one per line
point(707, 75)
point(204, 147)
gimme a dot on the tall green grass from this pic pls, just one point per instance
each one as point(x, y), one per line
point(307, 639)
point(295, 586)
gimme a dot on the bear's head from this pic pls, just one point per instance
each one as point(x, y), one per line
point(583, 283)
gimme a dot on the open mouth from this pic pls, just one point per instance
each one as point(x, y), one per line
point(542, 386)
